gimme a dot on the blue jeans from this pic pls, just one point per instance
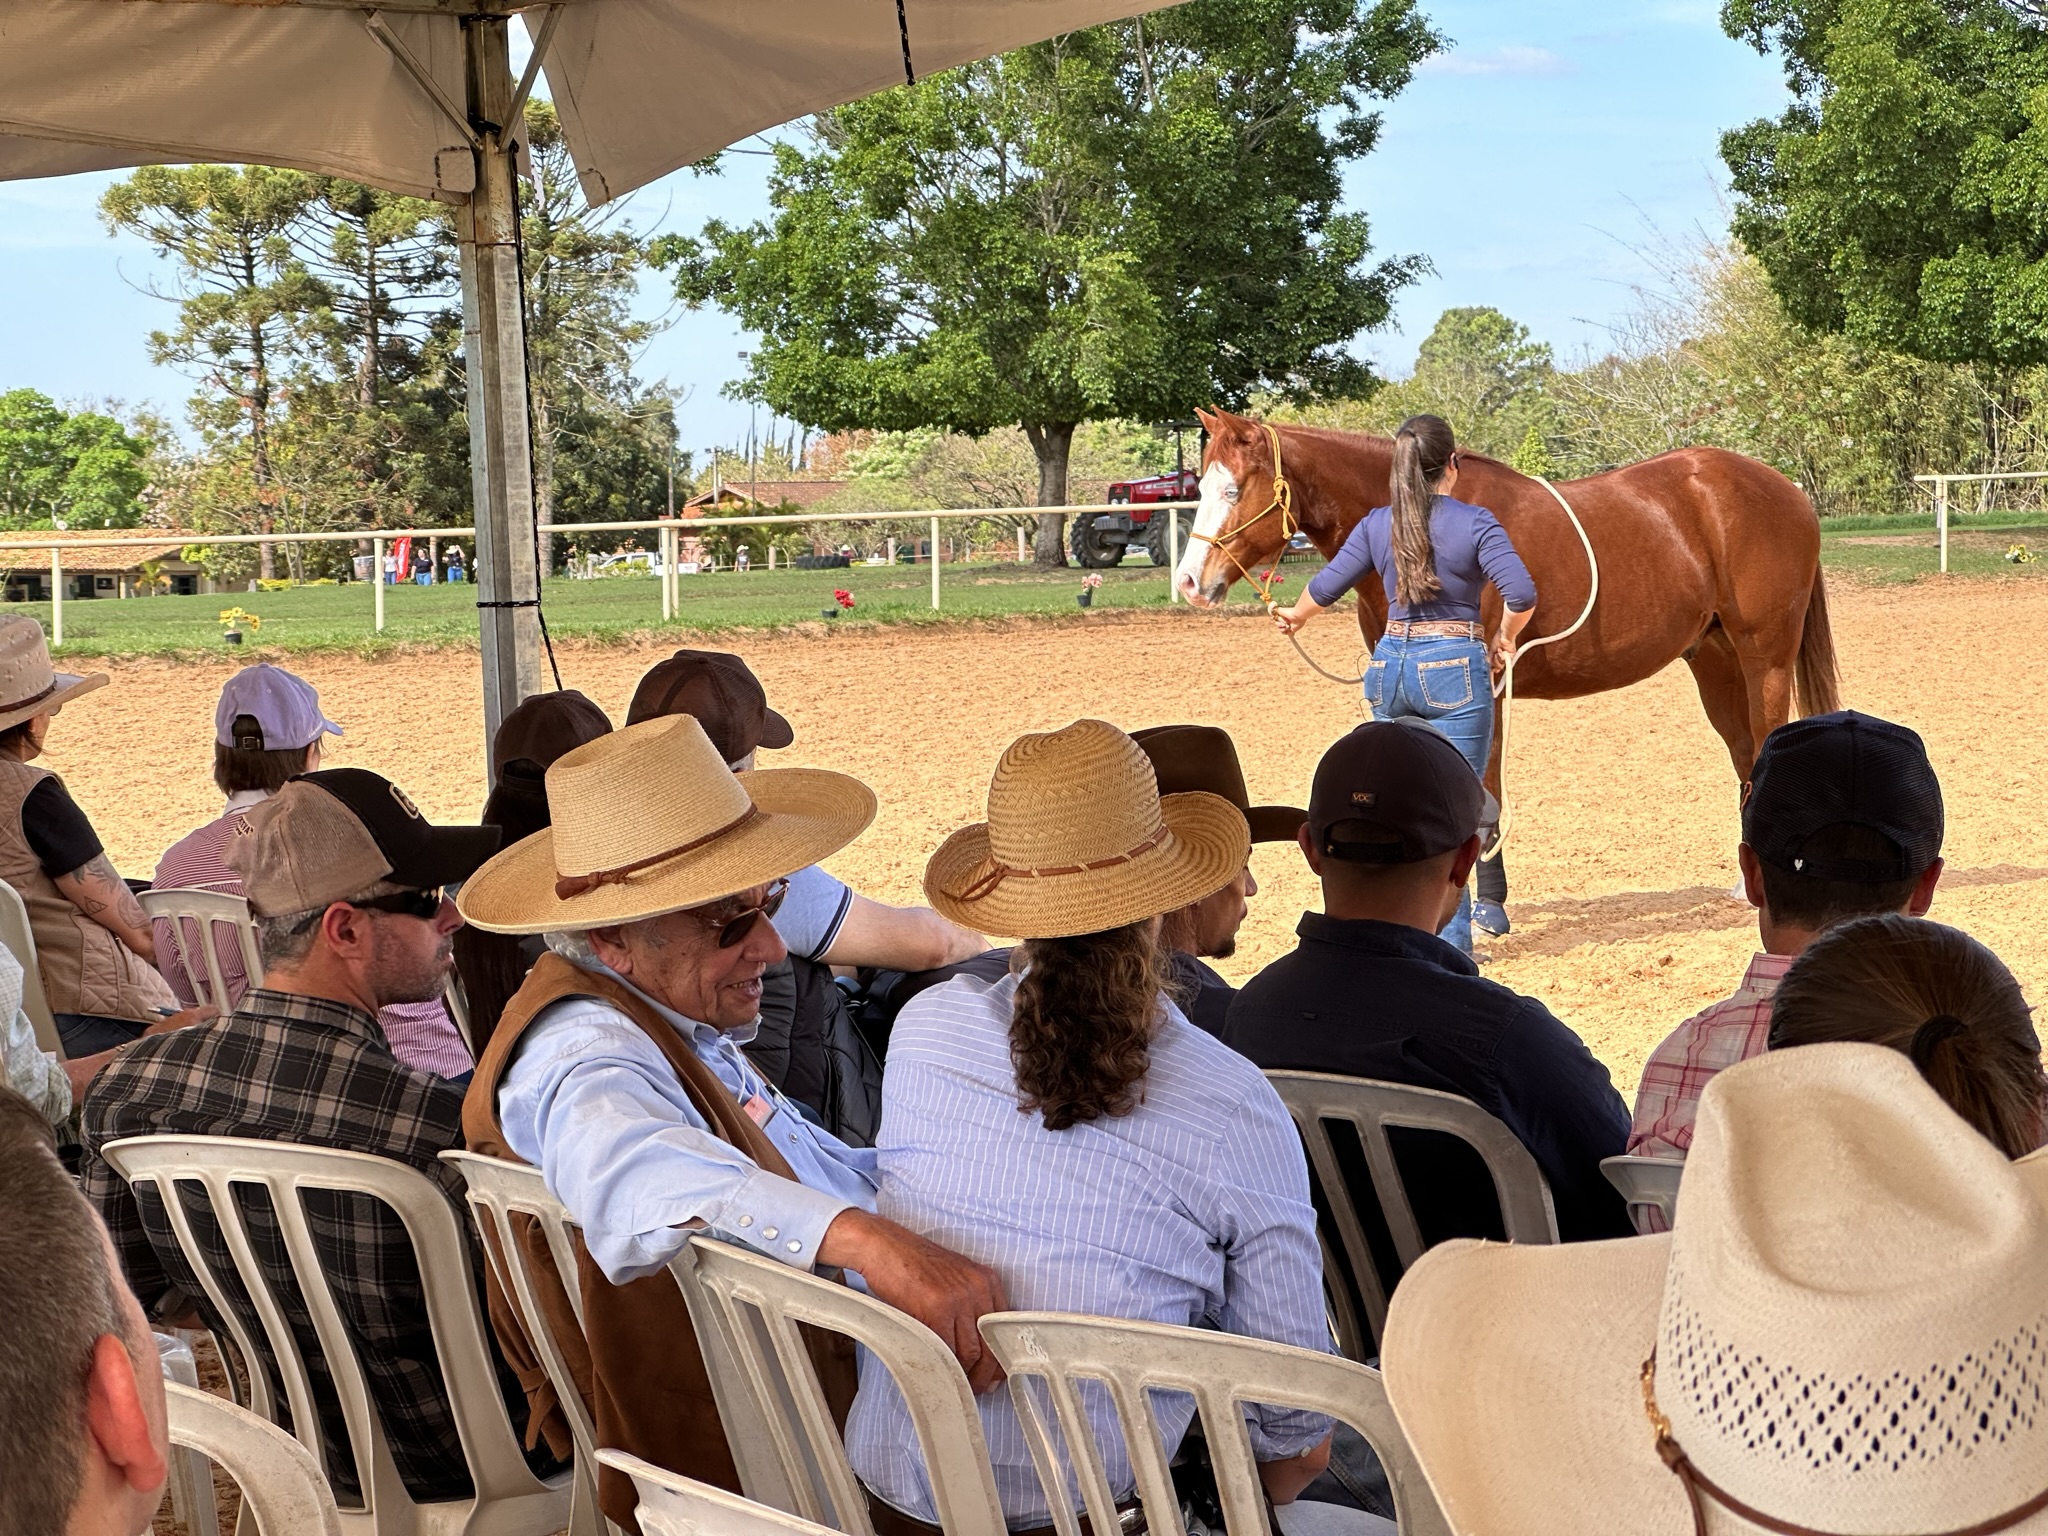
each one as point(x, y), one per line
point(1449, 684)
point(87, 1034)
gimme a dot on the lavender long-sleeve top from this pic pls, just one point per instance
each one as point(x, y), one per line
point(1471, 550)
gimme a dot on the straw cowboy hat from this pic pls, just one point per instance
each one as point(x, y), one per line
point(1079, 839)
point(650, 820)
point(29, 685)
point(1845, 1332)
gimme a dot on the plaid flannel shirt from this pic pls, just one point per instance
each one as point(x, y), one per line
point(300, 1069)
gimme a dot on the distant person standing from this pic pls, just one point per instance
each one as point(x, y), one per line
point(422, 565)
point(456, 574)
point(391, 568)
point(741, 560)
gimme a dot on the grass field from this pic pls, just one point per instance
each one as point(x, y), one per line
point(338, 618)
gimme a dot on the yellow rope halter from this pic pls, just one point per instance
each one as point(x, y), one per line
point(1283, 503)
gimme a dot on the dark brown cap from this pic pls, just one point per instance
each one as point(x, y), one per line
point(544, 727)
point(1203, 757)
point(1395, 792)
point(723, 695)
point(346, 832)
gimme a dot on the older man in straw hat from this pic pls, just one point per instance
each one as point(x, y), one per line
point(1846, 1331)
point(94, 945)
point(618, 1071)
point(1068, 1126)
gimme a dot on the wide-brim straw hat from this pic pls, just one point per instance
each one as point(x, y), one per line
point(650, 820)
point(29, 685)
point(1079, 840)
point(1849, 1319)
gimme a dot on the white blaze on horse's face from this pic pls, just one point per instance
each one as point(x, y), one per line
point(1219, 500)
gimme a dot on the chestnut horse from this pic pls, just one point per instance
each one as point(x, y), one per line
point(1704, 555)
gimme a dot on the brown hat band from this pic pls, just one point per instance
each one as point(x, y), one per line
point(1001, 872)
point(34, 698)
point(567, 886)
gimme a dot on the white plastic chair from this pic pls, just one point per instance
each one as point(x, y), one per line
point(282, 1488)
point(1647, 1184)
point(198, 946)
point(1315, 1099)
point(680, 1506)
point(757, 1304)
point(1048, 1353)
point(508, 1500)
point(20, 940)
point(499, 1191)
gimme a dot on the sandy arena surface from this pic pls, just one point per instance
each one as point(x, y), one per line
point(1624, 843)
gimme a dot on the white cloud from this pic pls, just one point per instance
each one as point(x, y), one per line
point(1510, 59)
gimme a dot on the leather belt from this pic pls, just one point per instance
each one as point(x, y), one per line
point(891, 1521)
point(1434, 629)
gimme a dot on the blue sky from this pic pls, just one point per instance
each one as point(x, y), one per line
point(1534, 162)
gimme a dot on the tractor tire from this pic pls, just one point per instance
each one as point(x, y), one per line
point(1091, 548)
point(1157, 534)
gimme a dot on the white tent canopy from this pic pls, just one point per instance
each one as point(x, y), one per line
point(417, 96)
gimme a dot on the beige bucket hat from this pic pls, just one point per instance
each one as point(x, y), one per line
point(1079, 839)
point(1849, 1322)
point(650, 820)
point(29, 685)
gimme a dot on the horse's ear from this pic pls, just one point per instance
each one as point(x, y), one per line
point(1210, 423)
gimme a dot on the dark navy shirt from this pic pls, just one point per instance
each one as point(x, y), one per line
point(1368, 999)
point(1471, 550)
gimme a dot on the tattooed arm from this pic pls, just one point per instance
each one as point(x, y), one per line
point(102, 895)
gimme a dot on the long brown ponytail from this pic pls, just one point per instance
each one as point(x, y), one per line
point(1422, 451)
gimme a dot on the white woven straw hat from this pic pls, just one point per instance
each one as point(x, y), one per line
point(648, 820)
point(1849, 1322)
point(29, 685)
point(1078, 840)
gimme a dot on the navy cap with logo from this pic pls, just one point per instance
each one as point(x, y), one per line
point(1841, 769)
point(1395, 792)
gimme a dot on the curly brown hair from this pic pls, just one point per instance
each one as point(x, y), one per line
point(1082, 1025)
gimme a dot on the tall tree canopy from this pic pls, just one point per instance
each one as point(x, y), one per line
point(84, 467)
point(1129, 221)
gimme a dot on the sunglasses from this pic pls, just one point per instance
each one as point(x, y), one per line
point(421, 904)
point(735, 926)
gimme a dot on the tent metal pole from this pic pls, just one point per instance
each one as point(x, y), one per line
point(494, 345)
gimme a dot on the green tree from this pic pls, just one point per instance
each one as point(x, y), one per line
point(1130, 221)
point(84, 467)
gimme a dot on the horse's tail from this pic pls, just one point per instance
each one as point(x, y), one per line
point(1819, 681)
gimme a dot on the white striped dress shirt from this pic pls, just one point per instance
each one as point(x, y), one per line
point(1194, 1208)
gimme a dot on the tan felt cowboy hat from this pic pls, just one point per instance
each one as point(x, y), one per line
point(1079, 839)
point(1846, 1331)
point(650, 820)
point(29, 685)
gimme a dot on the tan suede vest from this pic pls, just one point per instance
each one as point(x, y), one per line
point(85, 968)
point(641, 1373)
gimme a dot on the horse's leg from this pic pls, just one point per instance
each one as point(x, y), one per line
point(1724, 691)
point(1769, 661)
point(1489, 911)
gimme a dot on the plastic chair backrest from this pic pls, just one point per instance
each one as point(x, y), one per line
point(508, 1500)
point(680, 1506)
point(197, 945)
point(1317, 1098)
point(498, 1192)
point(1050, 1352)
point(758, 1304)
point(20, 940)
point(456, 1001)
point(280, 1481)
point(1646, 1183)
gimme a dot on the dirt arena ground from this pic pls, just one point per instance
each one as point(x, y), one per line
point(1623, 850)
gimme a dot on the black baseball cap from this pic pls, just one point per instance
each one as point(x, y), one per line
point(1828, 770)
point(721, 692)
point(1395, 792)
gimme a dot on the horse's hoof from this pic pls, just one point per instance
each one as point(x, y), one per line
point(1492, 917)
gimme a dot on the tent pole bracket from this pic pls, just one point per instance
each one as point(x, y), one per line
point(381, 30)
point(517, 112)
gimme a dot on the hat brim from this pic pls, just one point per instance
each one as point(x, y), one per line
point(1206, 846)
point(68, 686)
point(1275, 823)
point(452, 855)
point(775, 731)
point(805, 815)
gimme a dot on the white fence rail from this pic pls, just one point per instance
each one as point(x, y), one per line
point(671, 531)
point(1941, 483)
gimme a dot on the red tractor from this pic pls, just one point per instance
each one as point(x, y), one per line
point(1101, 539)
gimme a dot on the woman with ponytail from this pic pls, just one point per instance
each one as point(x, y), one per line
point(1435, 555)
point(1934, 994)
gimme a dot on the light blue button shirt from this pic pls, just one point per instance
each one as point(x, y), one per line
point(1193, 1208)
point(591, 1101)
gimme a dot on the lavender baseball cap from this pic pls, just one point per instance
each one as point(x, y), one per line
point(284, 707)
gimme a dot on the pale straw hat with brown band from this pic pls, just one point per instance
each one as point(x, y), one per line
point(1844, 1334)
point(29, 685)
point(1078, 840)
point(650, 820)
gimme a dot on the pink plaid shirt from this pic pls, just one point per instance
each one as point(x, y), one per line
point(1678, 1070)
